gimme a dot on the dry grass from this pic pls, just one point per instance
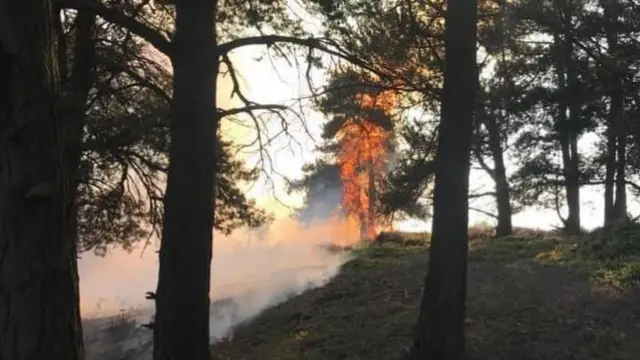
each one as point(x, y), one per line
point(525, 301)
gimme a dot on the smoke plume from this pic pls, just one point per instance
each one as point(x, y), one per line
point(251, 271)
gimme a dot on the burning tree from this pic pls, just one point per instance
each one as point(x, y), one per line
point(359, 143)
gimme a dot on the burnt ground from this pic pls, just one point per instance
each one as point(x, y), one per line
point(519, 307)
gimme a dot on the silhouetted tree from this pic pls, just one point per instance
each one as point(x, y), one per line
point(39, 304)
point(440, 329)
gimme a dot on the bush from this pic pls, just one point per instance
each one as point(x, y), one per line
point(620, 240)
point(402, 238)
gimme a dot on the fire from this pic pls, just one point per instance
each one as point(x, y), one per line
point(363, 157)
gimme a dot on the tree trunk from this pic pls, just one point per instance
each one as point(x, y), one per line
point(39, 305)
point(372, 195)
point(503, 196)
point(182, 297)
point(610, 171)
point(75, 97)
point(573, 190)
point(615, 176)
point(440, 328)
point(567, 133)
point(620, 205)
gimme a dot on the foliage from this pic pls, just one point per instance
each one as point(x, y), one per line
point(125, 147)
point(322, 190)
point(621, 239)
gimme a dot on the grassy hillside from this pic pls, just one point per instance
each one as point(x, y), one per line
point(531, 296)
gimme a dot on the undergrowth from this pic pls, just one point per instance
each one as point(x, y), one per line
point(609, 256)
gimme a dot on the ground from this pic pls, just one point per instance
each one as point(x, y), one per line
point(529, 298)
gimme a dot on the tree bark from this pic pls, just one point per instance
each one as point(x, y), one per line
point(181, 328)
point(440, 328)
point(39, 304)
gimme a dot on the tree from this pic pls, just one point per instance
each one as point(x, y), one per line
point(321, 186)
point(38, 272)
point(440, 329)
point(182, 298)
point(556, 109)
point(617, 123)
point(492, 115)
point(419, 79)
point(118, 92)
point(360, 129)
point(589, 93)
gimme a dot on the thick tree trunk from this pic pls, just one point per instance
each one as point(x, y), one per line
point(182, 297)
point(39, 305)
point(440, 329)
point(77, 87)
point(503, 196)
point(75, 97)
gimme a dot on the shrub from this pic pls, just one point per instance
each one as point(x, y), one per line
point(620, 240)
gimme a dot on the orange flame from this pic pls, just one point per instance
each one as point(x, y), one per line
point(362, 158)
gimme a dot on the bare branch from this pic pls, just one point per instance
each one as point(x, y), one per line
point(323, 45)
point(113, 66)
point(479, 195)
point(117, 17)
point(484, 212)
point(250, 108)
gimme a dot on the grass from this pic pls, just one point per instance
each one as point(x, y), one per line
point(532, 295)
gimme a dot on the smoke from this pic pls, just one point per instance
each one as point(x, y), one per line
point(251, 271)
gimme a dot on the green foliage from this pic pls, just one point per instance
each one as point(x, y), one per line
point(510, 248)
point(619, 240)
point(408, 187)
point(545, 87)
point(321, 187)
point(126, 143)
point(239, 18)
point(402, 239)
point(608, 256)
point(382, 256)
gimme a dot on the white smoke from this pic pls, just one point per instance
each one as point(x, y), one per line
point(249, 275)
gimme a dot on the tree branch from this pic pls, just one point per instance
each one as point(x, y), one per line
point(483, 212)
point(117, 17)
point(113, 66)
point(250, 108)
point(314, 43)
point(479, 195)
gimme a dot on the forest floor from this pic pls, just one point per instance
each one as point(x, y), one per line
point(530, 296)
